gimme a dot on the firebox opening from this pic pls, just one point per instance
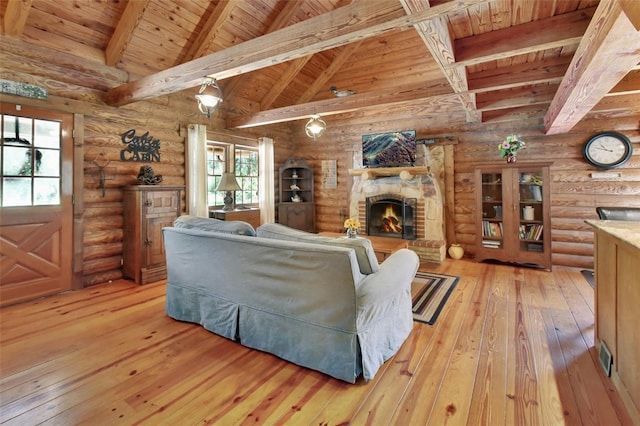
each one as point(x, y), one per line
point(391, 217)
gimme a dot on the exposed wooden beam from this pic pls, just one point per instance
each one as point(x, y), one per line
point(336, 28)
point(549, 33)
point(131, 17)
point(15, 16)
point(428, 95)
point(608, 50)
point(436, 37)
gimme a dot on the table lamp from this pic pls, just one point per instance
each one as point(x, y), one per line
point(228, 183)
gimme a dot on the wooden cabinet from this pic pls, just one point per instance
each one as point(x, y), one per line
point(617, 296)
point(147, 209)
point(512, 214)
point(251, 216)
point(297, 208)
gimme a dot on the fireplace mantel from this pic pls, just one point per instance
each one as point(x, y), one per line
point(405, 173)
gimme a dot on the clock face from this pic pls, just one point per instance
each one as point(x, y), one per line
point(607, 150)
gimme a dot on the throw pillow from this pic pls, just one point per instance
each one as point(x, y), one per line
point(236, 227)
point(367, 260)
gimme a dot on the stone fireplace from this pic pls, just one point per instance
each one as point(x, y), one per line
point(416, 203)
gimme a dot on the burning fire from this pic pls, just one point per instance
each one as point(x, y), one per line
point(390, 222)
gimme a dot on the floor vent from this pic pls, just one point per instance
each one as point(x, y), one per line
point(606, 360)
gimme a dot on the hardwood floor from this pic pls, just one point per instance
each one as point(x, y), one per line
point(513, 346)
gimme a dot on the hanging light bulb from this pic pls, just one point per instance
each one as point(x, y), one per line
point(315, 127)
point(209, 96)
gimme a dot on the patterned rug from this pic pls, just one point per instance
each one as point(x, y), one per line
point(429, 293)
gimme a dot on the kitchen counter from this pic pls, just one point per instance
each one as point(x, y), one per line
point(617, 297)
point(627, 232)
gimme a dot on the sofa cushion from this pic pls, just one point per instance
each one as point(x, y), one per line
point(367, 260)
point(236, 227)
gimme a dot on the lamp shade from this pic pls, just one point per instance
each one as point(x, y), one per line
point(228, 182)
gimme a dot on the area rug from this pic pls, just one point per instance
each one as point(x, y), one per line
point(429, 293)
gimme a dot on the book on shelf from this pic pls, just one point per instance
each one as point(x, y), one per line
point(491, 229)
point(535, 247)
point(530, 232)
point(492, 243)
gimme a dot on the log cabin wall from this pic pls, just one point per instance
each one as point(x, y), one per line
point(76, 85)
point(574, 194)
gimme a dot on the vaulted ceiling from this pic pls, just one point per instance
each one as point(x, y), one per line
point(275, 60)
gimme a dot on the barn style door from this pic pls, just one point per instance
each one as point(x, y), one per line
point(36, 212)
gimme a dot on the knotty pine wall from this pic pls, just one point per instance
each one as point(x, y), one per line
point(76, 86)
point(574, 194)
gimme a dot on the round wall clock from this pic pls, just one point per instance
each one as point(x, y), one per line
point(607, 150)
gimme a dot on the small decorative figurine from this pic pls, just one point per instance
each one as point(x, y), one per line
point(148, 177)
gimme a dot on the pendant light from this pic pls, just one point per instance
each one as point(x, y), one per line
point(315, 127)
point(209, 96)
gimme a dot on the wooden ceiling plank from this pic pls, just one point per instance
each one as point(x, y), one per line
point(283, 19)
point(549, 70)
point(210, 29)
point(336, 28)
point(625, 102)
point(293, 68)
point(629, 84)
point(127, 24)
point(608, 50)
point(328, 72)
point(548, 33)
point(15, 17)
point(517, 97)
point(341, 105)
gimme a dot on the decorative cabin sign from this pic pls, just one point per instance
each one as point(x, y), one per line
point(143, 148)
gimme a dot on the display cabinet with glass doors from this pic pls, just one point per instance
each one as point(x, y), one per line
point(512, 214)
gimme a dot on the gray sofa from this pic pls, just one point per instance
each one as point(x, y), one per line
point(307, 302)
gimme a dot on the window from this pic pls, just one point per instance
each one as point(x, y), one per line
point(30, 161)
point(245, 161)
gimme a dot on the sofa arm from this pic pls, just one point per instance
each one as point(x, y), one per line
point(384, 316)
point(396, 273)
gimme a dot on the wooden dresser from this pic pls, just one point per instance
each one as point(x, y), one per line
point(147, 209)
point(617, 297)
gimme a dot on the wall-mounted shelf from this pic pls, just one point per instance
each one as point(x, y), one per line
point(405, 173)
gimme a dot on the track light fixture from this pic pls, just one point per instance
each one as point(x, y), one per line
point(315, 127)
point(209, 96)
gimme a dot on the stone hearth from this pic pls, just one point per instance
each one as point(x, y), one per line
point(430, 244)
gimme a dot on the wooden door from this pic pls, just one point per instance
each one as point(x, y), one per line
point(36, 213)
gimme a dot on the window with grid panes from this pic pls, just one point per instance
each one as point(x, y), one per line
point(246, 170)
point(216, 165)
point(245, 160)
point(30, 162)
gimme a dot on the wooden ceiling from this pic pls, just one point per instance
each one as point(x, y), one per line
point(275, 60)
